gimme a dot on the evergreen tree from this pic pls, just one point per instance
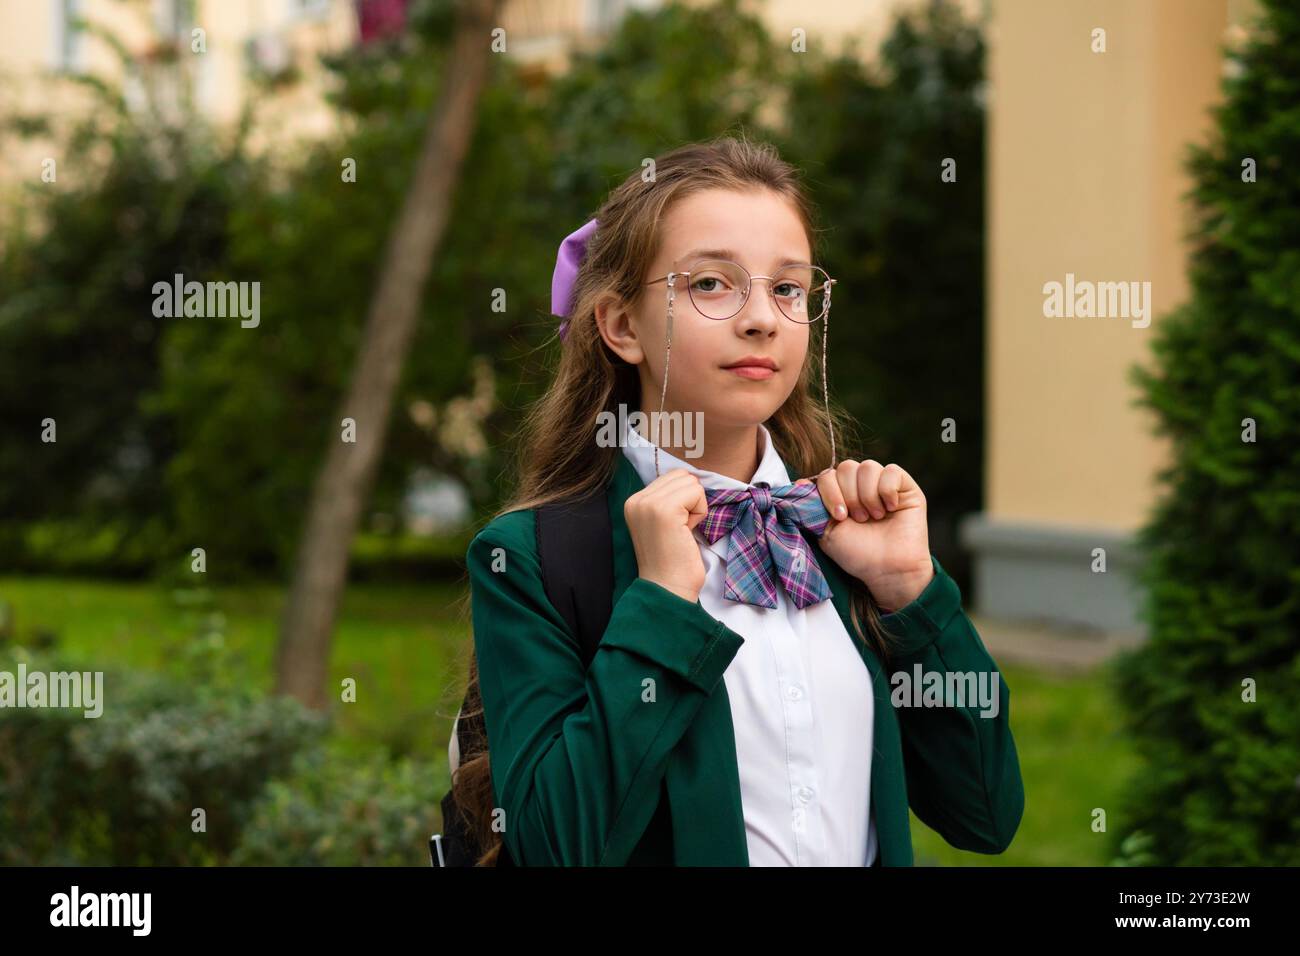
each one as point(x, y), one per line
point(1213, 698)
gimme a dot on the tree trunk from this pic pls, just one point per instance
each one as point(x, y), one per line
point(343, 485)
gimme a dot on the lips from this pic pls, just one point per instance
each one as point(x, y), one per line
point(753, 361)
point(755, 372)
point(753, 367)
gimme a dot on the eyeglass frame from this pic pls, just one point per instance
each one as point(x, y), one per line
point(674, 275)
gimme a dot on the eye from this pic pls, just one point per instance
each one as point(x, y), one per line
point(789, 290)
point(708, 284)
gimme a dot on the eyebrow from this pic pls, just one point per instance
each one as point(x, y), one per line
point(733, 256)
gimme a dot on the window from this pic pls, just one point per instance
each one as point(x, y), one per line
point(299, 9)
point(173, 18)
point(68, 39)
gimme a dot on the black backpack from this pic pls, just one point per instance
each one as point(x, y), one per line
point(576, 552)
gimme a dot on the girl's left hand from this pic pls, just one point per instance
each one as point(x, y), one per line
point(877, 530)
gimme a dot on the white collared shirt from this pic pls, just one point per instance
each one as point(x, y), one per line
point(801, 703)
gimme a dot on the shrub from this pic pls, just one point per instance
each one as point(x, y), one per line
point(121, 788)
point(346, 812)
point(1222, 784)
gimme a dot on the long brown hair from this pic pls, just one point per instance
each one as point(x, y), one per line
point(554, 462)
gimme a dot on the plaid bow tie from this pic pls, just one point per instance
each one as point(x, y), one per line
point(764, 524)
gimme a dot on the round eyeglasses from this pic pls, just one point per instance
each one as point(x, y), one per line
point(719, 288)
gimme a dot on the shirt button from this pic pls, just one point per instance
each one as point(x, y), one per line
point(794, 692)
point(805, 794)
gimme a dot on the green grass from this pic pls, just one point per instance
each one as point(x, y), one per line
point(1073, 758)
point(406, 648)
point(403, 644)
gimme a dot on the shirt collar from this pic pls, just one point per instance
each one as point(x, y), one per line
point(640, 451)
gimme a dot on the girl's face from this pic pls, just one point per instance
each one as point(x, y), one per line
point(761, 231)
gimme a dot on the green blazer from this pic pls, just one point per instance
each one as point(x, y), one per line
point(633, 761)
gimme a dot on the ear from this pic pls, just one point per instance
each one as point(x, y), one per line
point(616, 325)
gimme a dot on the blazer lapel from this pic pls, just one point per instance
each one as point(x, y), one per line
point(702, 779)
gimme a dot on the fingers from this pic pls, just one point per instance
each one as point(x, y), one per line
point(847, 474)
point(868, 479)
point(669, 482)
point(891, 482)
point(679, 488)
point(697, 506)
point(829, 488)
point(863, 490)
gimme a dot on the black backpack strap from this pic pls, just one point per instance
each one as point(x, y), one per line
point(575, 548)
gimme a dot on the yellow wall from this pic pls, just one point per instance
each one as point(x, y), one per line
point(1085, 176)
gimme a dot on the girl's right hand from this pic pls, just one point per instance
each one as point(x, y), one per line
point(660, 518)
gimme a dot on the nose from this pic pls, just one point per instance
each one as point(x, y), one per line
point(759, 314)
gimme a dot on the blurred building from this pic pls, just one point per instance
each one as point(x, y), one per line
point(226, 53)
point(1085, 182)
point(266, 51)
point(544, 32)
point(1086, 179)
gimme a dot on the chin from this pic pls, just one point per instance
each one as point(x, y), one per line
point(740, 415)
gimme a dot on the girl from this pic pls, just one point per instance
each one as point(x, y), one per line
point(738, 710)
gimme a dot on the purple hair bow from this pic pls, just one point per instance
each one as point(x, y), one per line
point(567, 261)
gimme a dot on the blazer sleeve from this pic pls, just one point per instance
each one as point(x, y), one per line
point(578, 756)
point(962, 771)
